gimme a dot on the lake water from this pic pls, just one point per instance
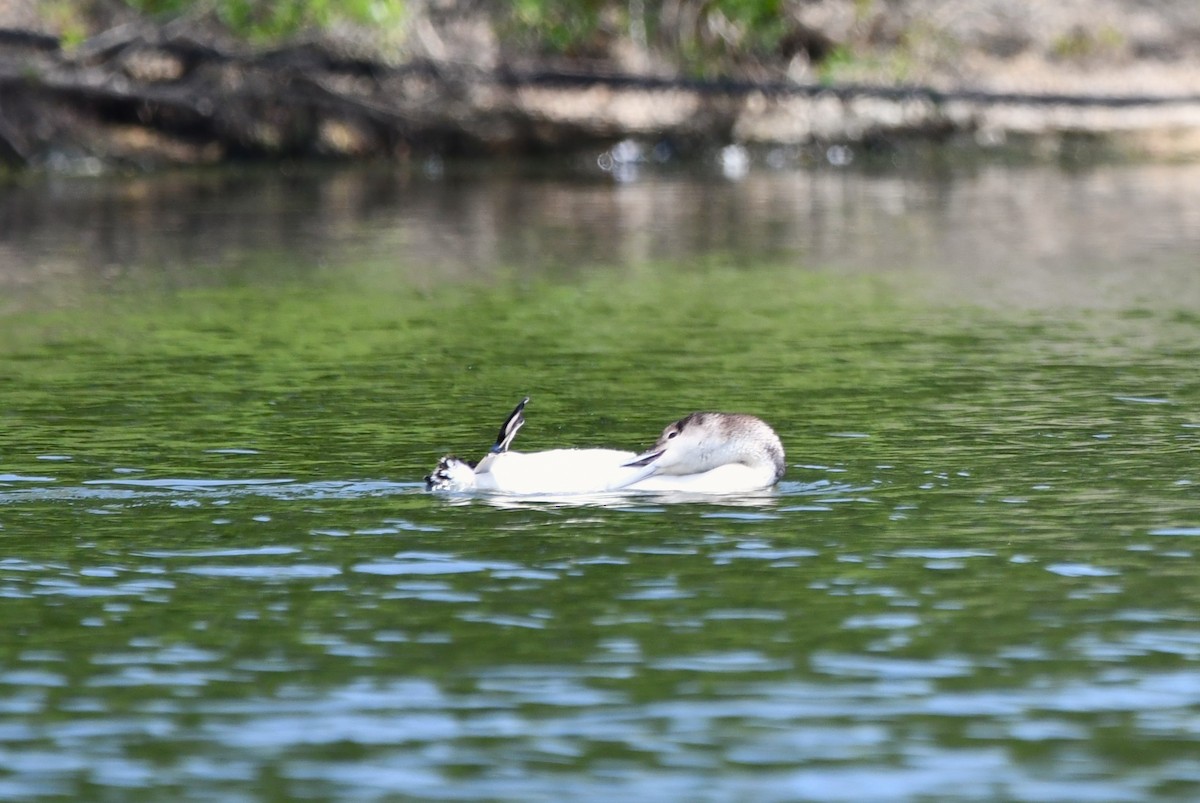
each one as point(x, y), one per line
point(221, 577)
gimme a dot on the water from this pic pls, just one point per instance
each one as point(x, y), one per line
point(222, 579)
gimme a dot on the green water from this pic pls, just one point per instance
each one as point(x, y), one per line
point(222, 578)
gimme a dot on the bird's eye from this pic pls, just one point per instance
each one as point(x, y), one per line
point(672, 434)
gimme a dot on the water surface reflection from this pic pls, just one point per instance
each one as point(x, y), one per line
point(1030, 236)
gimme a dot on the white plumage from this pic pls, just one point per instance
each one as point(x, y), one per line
point(700, 453)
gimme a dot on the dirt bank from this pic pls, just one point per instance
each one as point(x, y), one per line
point(1124, 73)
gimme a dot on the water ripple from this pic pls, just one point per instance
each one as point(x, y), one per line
point(1184, 531)
point(847, 665)
point(279, 572)
point(1080, 570)
point(742, 661)
point(406, 563)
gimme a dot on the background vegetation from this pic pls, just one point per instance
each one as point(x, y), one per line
point(691, 27)
point(834, 41)
point(264, 20)
point(689, 31)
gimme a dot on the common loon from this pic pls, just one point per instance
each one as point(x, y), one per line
point(717, 453)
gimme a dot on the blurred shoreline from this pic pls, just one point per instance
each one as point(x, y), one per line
point(1120, 79)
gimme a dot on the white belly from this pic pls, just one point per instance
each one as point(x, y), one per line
point(558, 471)
point(591, 471)
point(728, 479)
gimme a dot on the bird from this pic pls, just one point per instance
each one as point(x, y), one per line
point(703, 452)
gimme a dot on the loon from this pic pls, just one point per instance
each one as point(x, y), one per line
point(717, 453)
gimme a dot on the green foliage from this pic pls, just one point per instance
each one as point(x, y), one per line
point(265, 20)
point(66, 18)
point(752, 26)
point(1081, 45)
point(847, 66)
point(761, 17)
point(560, 27)
point(691, 30)
point(836, 66)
